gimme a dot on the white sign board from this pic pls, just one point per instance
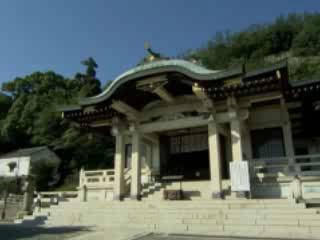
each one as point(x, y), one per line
point(240, 179)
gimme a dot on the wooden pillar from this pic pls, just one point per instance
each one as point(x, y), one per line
point(119, 162)
point(135, 166)
point(215, 160)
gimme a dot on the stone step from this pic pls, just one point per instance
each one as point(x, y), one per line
point(284, 211)
point(156, 219)
point(169, 216)
point(234, 217)
point(189, 222)
point(174, 204)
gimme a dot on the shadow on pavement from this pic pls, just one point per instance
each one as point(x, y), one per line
point(16, 231)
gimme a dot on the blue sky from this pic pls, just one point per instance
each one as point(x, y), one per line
point(41, 35)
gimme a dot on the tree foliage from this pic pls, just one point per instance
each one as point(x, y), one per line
point(30, 117)
point(294, 36)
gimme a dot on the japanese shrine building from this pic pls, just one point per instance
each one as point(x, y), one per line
point(175, 119)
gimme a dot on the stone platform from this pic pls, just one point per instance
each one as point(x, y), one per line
point(254, 218)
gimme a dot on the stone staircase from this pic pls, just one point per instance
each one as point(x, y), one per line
point(153, 191)
point(239, 217)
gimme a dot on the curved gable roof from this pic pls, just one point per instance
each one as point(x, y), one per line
point(188, 68)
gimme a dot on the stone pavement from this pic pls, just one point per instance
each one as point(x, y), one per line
point(19, 232)
point(126, 234)
point(192, 237)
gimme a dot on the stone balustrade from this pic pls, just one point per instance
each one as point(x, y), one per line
point(48, 197)
point(97, 178)
point(105, 177)
point(302, 165)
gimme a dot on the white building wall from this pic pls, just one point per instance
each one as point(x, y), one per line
point(22, 167)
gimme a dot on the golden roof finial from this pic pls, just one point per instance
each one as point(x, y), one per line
point(152, 56)
point(146, 45)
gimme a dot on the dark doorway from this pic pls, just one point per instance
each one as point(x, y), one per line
point(225, 174)
point(185, 155)
point(192, 165)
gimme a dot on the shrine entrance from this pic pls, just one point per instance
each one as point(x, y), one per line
point(187, 154)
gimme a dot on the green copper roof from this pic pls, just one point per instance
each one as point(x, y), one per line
point(162, 66)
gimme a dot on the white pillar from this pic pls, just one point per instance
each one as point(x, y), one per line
point(236, 140)
point(83, 193)
point(237, 147)
point(135, 166)
point(215, 160)
point(119, 161)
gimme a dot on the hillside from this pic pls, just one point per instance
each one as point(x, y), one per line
point(294, 37)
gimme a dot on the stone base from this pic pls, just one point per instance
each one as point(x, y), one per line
point(117, 197)
point(243, 194)
point(217, 195)
point(21, 214)
point(135, 197)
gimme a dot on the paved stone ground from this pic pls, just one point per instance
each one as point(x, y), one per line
point(18, 232)
point(191, 237)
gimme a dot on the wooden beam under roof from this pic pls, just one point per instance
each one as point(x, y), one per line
point(125, 109)
point(156, 85)
point(163, 94)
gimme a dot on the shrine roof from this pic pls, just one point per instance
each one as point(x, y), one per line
point(187, 68)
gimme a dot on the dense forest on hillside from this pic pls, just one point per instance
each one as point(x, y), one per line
point(295, 37)
point(28, 104)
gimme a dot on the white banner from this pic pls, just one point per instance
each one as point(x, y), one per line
point(240, 179)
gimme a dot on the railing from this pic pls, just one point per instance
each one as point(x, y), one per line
point(308, 165)
point(302, 165)
point(105, 178)
point(97, 178)
point(50, 197)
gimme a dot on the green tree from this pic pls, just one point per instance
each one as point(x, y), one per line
point(89, 82)
point(32, 119)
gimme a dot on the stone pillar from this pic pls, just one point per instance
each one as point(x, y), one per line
point(215, 161)
point(119, 162)
point(287, 137)
point(236, 140)
point(28, 195)
point(237, 146)
point(135, 166)
point(289, 148)
point(148, 163)
point(83, 193)
point(156, 157)
point(295, 193)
